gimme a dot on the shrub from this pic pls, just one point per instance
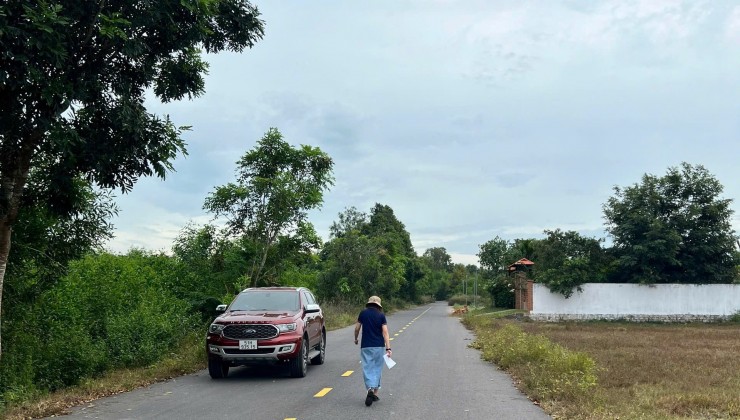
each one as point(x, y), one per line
point(141, 336)
point(735, 317)
point(108, 311)
point(459, 300)
point(501, 290)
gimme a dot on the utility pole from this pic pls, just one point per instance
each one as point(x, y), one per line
point(475, 291)
point(465, 289)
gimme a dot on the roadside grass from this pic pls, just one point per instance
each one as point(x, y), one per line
point(339, 314)
point(656, 371)
point(641, 371)
point(188, 358)
point(544, 370)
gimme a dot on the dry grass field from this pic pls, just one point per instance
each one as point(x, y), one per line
point(651, 371)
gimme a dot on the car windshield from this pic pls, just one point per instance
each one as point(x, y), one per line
point(266, 301)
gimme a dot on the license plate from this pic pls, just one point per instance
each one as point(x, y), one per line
point(247, 344)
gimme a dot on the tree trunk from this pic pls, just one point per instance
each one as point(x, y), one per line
point(12, 183)
point(4, 252)
point(262, 265)
point(257, 270)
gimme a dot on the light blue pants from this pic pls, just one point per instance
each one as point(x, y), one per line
point(372, 365)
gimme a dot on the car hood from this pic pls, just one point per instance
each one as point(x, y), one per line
point(237, 317)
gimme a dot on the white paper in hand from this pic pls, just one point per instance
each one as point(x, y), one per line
point(388, 361)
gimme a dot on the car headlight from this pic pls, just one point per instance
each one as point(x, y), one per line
point(283, 328)
point(216, 328)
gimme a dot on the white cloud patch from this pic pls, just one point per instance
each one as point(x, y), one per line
point(732, 27)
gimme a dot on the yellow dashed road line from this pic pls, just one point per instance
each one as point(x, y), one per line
point(323, 392)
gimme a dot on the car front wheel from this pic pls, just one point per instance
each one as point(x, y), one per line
point(217, 369)
point(299, 365)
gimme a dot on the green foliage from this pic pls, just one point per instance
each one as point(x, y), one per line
point(459, 277)
point(276, 186)
point(735, 317)
point(438, 259)
point(443, 291)
point(107, 312)
point(347, 264)
point(547, 370)
point(459, 300)
point(493, 255)
point(44, 241)
point(368, 256)
point(73, 80)
point(565, 260)
point(673, 229)
point(412, 289)
point(389, 232)
point(501, 290)
point(100, 61)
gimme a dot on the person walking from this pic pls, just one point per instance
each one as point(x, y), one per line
point(375, 344)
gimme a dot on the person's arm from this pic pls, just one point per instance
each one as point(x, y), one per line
point(358, 326)
point(387, 339)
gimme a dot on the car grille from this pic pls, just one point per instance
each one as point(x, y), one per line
point(266, 350)
point(243, 332)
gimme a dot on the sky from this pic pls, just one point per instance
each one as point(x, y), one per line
point(471, 119)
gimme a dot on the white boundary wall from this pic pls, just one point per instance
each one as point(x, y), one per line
point(660, 302)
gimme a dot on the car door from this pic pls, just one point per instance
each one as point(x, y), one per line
point(313, 324)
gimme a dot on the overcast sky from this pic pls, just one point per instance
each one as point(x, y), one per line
point(470, 118)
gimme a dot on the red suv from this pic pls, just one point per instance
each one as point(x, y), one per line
point(267, 325)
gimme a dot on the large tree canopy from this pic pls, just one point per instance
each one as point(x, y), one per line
point(673, 229)
point(73, 78)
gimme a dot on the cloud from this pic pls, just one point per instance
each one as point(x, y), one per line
point(732, 26)
point(148, 225)
point(470, 118)
point(467, 259)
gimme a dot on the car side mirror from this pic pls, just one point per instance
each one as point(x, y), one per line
point(221, 308)
point(312, 308)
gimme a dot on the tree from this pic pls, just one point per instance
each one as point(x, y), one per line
point(565, 260)
point(493, 255)
point(73, 79)
point(393, 248)
point(438, 259)
point(276, 187)
point(347, 267)
point(391, 232)
point(351, 220)
point(673, 229)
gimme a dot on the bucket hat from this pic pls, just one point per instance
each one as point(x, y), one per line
point(374, 300)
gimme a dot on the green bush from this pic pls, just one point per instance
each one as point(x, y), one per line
point(69, 355)
point(108, 311)
point(459, 300)
point(501, 290)
point(19, 363)
point(142, 336)
point(735, 317)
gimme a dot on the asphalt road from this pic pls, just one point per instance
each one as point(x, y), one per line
point(436, 377)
